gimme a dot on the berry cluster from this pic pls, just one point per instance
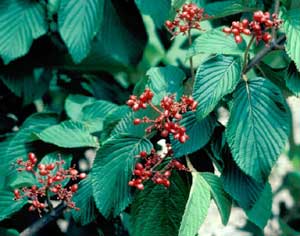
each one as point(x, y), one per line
point(187, 18)
point(148, 168)
point(140, 103)
point(258, 27)
point(49, 177)
point(168, 120)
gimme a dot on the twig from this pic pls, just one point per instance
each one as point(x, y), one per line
point(191, 58)
point(276, 11)
point(258, 57)
point(45, 220)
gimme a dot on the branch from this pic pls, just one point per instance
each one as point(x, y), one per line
point(259, 56)
point(45, 220)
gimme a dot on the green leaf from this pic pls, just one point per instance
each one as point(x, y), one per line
point(95, 113)
point(214, 42)
point(109, 51)
point(241, 187)
point(158, 210)
point(292, 79)
point(17, 179)
point(8, 205)
point(112, 171)
point(8, 232)
point(196, 207)
point(20, 23)
point(74, 104)
point(261, 212)
point(24, 83)
point(69, 134)
point(221, 198)
point(126, 126)
point(20, 144)
point(159, 11)
point(199, 132)
point(258, 127)
point(292, 30)
point(226, 8)
point(215, 78)
point(286, 229)
point(165, 81)
point(78, 23)
point(85, 201)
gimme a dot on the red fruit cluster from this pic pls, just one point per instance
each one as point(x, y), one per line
point(170, 113)
point(148, 169)
point(187, 18)
point(140, 103)
point(50, 177)
point(258, 27)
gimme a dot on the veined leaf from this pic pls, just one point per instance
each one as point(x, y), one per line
point(69, 134)
point(199, 132)
point(19, 145)
point(8, 205)
point(85, 201)
point(258, 127)
point(165, 81)
point(215, 78)
point(221, 198)
point(226, 8)
point(157, 210)
point(20, 23)
point(74, 104)
point(241, 187)
point(159, 11)
point(214, 42)
point(262, 208)
point(196, 207)
point(292, 30)
point(78, 23)
point(112, 171)
point(292, 79)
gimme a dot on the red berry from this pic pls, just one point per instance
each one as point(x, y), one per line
point(258, 15)
point(50, 166)
point(169, 24)
point(159, 180)
point(54, 190)
point(235, 31)
point(139, 166)
point(43, 172)
point(246, 31)
point(236, 24)
point(57, 178)
point(143, 154)
point(238, 39)
point(73, 172)
point(82, 175)
point(266, 37)
point(167, 174)
point(166, 183)
point(183, 28)
point(140, 186)
point(245, 23)
point(183, 138)
point(28, 168)
point(137, 121)
point(41, 166)
point(131, 183)
point(137, 172)
point(164, 133)
point(135, 107)
point(227, 30)
point(74, 188)
point(32, 157)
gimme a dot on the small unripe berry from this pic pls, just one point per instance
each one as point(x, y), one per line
point(227, 30)
point(43, 172)
point(28, 168)
point(41, 166)
point(32, 157)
